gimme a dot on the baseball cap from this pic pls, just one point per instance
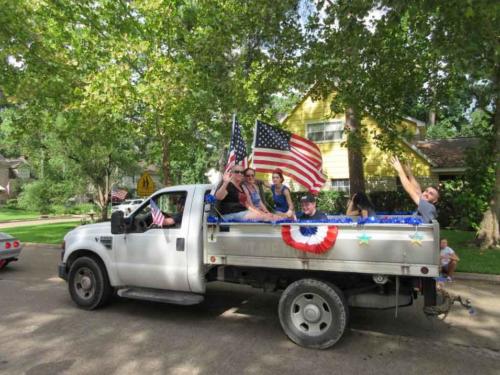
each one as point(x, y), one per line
point(308, 198)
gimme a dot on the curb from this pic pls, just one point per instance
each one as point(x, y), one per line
point(36, 245)
point(476, 276)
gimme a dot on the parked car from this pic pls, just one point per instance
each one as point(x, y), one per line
point(10, 248)
point(127, 206)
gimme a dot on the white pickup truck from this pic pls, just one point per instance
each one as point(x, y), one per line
point(379, 264)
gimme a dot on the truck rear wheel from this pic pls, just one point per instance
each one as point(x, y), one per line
point(313, 313)
point(88, 283)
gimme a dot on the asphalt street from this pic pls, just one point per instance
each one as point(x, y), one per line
point(235, 331)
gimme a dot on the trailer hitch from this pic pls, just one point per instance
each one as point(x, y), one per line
point(441, 311)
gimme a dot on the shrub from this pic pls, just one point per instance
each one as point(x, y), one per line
point(12, 204)
point(36, 196)
point(459, 206)
point(391, 201)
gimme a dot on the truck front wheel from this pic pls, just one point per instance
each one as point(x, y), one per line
point(88, 283)
point(313, 313)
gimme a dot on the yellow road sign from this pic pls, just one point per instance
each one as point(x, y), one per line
point(145, 185)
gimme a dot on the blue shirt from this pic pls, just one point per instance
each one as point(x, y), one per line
point(280, 203)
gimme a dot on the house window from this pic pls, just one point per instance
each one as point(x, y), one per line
point(341, 184)
point(325, 131)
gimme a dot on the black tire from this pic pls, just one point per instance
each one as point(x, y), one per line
point(88, 283)
point(313, 313)
point(3, 263)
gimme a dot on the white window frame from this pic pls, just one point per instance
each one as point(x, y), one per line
point(321, 126)
point(345, 187)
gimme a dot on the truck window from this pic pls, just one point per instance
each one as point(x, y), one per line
point(172, 206)
point(171, 211)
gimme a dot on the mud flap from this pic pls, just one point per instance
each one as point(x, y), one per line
point(429, 291)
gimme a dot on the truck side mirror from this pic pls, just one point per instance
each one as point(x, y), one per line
point(117, 222)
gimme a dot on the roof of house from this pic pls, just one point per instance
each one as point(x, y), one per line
point(447, 153)
point(13, 163)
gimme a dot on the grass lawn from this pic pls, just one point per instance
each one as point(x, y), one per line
point(47, 233)
point(7, 214)
point(471, 258)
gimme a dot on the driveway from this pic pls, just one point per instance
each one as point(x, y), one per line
point(235, 331)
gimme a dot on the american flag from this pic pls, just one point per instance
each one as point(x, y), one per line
point(158, 216)
point(119, 194)
point(299, 158)
point(237, 147)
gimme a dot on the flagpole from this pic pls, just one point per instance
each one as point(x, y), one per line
point(254, 139)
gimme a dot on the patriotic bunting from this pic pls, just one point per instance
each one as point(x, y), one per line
point(315, 240)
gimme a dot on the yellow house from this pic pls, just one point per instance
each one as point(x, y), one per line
point(314, 120)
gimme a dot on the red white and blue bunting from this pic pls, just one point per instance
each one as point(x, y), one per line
point(315, 240)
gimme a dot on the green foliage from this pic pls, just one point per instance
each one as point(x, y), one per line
point(334, 202)
point(46, 196)
point(36, 196)
point(11, 204)
point(391, 201)
point(99, 86)
point(480, 125)
point(458, 206)
point(463, 202)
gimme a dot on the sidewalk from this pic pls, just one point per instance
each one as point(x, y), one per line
point(22, 223)
point(476, 276)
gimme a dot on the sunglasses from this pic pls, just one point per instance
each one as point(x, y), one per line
point(239, 172)
point(249, 175)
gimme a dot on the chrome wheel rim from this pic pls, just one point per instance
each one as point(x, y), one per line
point(311, 314)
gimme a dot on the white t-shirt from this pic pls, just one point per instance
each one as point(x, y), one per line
point(446, 253)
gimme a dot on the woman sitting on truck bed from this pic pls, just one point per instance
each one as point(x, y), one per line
point(234, 204)
point(360, 205)
point(252, 188)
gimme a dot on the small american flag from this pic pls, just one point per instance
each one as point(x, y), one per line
point(158, 216)
point(299, 158)
point(237, 147)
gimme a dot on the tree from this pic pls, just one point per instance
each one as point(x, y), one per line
point(104, 83)
point(379, 55)
point(65, 92)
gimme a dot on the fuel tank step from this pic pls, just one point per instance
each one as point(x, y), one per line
point(158, 295)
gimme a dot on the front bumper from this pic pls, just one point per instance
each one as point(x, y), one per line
point(63, 272)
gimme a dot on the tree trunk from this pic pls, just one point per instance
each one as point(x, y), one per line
point(103, 196)
point(355, 153)
point(488, 234)
point(165, 164)
point(107, 193)
point(222, 159)
point(431, 118)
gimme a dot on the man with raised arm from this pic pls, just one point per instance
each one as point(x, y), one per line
point(424, 200)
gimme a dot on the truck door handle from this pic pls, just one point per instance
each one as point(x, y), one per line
point(179, 244)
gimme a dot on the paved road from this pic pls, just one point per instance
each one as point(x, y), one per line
point(235, 331)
